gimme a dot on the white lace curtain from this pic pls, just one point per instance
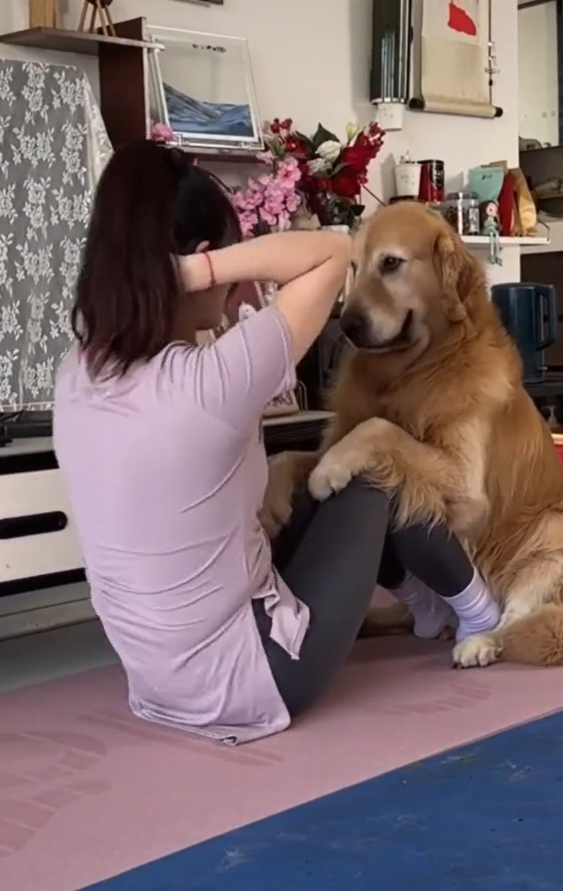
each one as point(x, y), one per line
point(53, 146)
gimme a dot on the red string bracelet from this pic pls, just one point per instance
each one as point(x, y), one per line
point(212, 279)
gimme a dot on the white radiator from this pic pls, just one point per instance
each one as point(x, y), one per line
point(37, 538)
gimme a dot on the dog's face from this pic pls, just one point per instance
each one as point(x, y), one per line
point(411, 276)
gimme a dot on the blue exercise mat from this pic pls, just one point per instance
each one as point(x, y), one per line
point(487, 817)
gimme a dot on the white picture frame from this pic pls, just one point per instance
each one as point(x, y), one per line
point(202, 88)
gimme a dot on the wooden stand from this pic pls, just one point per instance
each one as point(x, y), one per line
point(43, 14)
point(97, 9)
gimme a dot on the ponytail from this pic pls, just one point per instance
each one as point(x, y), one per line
point(151, 204)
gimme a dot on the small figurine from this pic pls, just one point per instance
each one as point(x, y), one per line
point(490, 224)
point(490, 227)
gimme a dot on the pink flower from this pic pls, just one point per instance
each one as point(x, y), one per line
point(274, 200)
point(289, 172)
point(239, 201)
point(270, 199)
point(265, 157)
point(293, 202)
point(248, 222)
point(162, 133)
point(270, 218)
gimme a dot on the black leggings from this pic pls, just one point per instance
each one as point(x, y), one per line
point(331, 556)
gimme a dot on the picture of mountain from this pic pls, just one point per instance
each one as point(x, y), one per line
point(192, 116)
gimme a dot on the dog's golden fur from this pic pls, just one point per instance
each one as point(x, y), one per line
point(436, 414)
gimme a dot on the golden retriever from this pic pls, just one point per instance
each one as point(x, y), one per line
point(430, 407)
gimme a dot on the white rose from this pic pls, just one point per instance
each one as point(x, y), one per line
point(329, 150)
point(317, 165)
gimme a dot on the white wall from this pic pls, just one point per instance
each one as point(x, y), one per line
point(537, 66)
point(311, 62)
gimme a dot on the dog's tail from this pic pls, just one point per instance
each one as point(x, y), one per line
point(536, 639)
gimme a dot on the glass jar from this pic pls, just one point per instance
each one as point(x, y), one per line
point(462, 212)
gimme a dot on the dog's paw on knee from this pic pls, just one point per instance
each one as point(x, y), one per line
point(476, 651)
point(328, 478)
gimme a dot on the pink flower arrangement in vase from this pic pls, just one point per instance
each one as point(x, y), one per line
point(270, 201)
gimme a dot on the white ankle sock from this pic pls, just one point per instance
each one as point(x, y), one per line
point(431, 613)
point(478, 612)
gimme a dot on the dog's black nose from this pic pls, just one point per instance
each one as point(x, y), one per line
point(353, 325)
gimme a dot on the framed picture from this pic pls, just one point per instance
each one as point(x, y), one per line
point(202, 88)
point(454, 58)
point(247, 300)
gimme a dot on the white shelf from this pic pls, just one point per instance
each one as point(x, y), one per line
point(505, 241)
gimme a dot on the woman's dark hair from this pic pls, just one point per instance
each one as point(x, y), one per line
point(152, 203)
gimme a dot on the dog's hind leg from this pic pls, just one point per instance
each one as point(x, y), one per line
point(531, 627)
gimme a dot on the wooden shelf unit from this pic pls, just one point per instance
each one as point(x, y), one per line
point(123, 71)
point(80, 42)
point(124, 78)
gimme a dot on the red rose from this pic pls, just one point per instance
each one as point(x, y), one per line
point(294, 146)
point(321, 183)
point(345, 183)
point(375, 133)
point(362, 141)
point(356, 157)
point(371, 139)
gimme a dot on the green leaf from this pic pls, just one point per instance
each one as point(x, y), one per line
point(323, 135)
point(338, 168)
point(276, 146)
point(302, 137)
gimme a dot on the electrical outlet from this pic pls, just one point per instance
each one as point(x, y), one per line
point(391, 115)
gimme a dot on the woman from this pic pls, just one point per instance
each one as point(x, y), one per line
point(158, 440)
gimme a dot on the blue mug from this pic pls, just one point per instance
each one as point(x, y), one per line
point(529, 312)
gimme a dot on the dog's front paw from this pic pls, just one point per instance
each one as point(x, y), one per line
point(476, 651)
point(331, 475)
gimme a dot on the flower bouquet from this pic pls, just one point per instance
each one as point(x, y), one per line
point(270, 201)
point(333, 173)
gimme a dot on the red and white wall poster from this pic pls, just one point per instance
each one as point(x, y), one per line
point(451, 72)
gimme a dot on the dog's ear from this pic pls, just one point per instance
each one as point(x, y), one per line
point(460, 273)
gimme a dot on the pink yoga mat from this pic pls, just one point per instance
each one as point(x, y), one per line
point(87, 791)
